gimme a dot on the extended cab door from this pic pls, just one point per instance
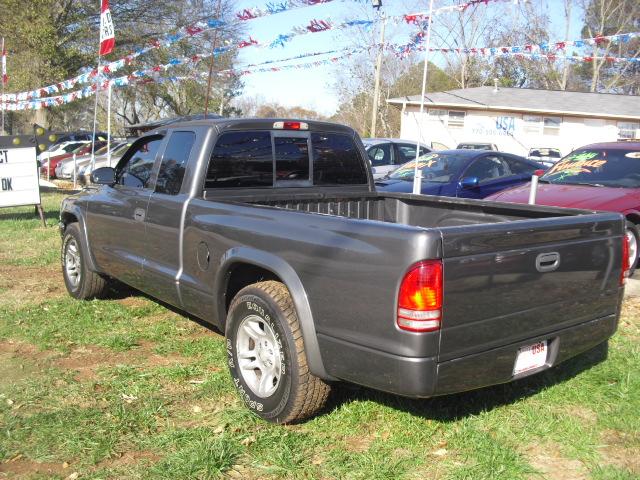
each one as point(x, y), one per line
point(163, 253)
point(116, 219)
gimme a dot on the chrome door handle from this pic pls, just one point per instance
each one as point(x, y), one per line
point(138, 215)
point(547, 262)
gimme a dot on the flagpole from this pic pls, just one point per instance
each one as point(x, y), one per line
point(417, 173)
point(109, 124)
point(4, 57)
point(95, 117)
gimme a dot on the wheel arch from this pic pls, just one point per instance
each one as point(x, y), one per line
point(243, 266)
point(73, 214)
point(633, 216)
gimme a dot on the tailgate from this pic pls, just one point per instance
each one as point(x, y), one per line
point(502, 285)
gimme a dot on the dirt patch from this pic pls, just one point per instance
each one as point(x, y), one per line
point(19, 467)
point(128, 459)
point(621, 450)
point(546, 458)
point(86, 361)
point(133, 301)
point(585, 415)
point(26, 283)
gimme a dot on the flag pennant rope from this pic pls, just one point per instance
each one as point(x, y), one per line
point(415, 44)
point(189, 31)
point(150, 75)
point(211, 24)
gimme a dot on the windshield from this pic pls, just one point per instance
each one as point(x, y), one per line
point(598, 167)
point(436, 167)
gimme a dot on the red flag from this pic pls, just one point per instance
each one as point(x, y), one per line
point(107, 33)
point(5, 77)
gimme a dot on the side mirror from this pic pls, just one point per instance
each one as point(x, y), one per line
point(469, 182)
point(103, 176)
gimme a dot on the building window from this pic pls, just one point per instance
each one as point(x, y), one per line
point(628, 130)
point(552, 125)
point(436, 114)
point(456, 119)
point(532, 124)
point(537, 124)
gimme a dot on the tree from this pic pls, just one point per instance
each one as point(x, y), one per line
point(611, 17)
point(50, 40)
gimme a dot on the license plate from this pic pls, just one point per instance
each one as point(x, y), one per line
point(531, 357)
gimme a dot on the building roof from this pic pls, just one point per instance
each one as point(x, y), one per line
point(555, 102)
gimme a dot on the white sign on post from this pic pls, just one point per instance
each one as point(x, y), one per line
point(19, 182)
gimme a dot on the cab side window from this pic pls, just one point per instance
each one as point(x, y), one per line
point(174, 162)
point(135, 168)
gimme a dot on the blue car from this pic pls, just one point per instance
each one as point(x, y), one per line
point(462, 173)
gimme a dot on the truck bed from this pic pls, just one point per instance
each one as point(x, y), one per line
point(406, 209)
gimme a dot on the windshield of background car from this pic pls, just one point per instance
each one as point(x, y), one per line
point(436, 167)
point(607, 167)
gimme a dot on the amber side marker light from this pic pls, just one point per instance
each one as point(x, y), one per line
point(624, 273)
point(420, 297)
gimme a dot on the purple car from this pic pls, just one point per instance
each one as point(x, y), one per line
point(462, 173)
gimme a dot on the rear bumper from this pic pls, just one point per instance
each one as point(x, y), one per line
point(425, 377)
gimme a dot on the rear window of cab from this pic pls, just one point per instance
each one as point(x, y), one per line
point(266, 159)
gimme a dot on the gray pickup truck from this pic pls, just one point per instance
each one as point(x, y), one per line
point(272, 231)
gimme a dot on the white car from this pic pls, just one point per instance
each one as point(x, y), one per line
point(65, 168)
point(84, 173)
point(387, 154)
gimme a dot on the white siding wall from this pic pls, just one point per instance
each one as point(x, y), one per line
point(509, 131)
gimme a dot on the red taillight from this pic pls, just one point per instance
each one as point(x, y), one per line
point(625, 260)
point(420, 297)
point(538, 173)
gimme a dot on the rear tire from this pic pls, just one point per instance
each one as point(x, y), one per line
point(266, 355)
point(633, 234)
point(81, 282)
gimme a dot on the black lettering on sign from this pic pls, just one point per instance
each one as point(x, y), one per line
point(6, 185)
point(4, 156)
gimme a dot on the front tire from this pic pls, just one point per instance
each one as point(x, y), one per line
point(81, 282)
point(266, 355)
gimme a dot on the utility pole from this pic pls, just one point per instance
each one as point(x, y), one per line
point(213, 57)
point(376, 88)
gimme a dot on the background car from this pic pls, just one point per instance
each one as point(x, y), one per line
point(387, 154)
point(477, 146)
point(51, 164)
point(64, 169)
point(60, 149)
point(84, 172)
point(602, 176)
point(462, 173)
point(546, 156)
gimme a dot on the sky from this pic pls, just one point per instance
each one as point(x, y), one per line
point(314, 88)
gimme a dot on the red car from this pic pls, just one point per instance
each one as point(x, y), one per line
point(602, 176)
point(53, 161)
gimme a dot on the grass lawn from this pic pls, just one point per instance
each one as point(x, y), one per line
point(125, 388)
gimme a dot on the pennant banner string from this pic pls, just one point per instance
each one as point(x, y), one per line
point(193, 30)
point(203, 26)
